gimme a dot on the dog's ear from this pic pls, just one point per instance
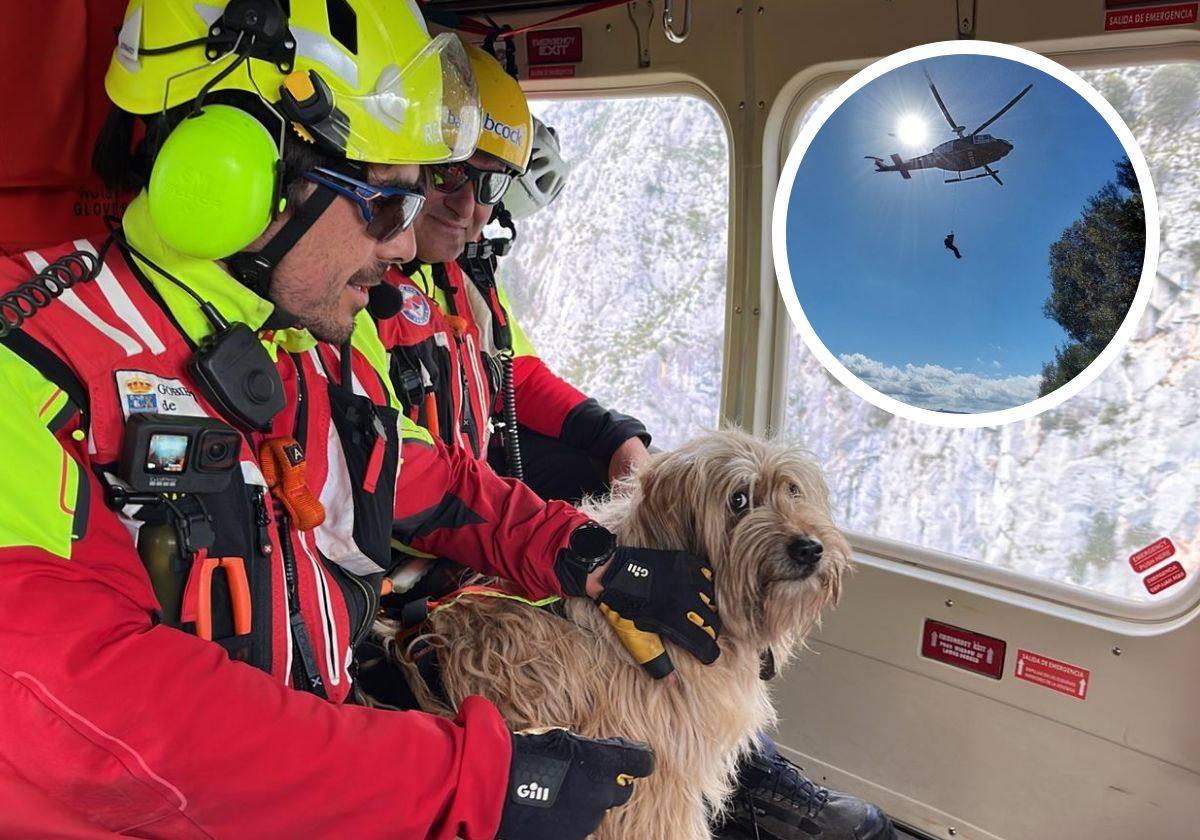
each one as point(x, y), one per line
point(661, 513)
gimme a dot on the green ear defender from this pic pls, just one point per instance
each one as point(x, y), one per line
point(215, 185)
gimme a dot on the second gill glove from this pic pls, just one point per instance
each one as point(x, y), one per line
point(561, 785)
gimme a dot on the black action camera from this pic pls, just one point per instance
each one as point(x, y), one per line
point(171, 454)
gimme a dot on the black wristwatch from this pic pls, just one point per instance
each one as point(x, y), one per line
point(590, 546)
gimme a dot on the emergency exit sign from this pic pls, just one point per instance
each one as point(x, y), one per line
point(963, 648)
point(554, 46)
point(1054, 674)
point(1137, 14)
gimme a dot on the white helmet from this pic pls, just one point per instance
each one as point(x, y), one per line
point(543, 180)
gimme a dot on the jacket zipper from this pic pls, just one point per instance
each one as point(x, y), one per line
point(481, 393)
point(305, 672)
point(465, 410)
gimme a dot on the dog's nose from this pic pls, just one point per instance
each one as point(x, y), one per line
point(805, 552)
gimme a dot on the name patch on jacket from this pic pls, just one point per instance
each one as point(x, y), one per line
point(142, 392)
point(414, 306)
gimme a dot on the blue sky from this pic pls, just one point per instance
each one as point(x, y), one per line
point(865, 248)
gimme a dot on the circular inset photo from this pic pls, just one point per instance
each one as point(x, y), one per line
point(965, 234)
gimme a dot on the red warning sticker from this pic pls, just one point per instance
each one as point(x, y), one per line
point(1050, 673)
point(1175, 14)
point(1164, 578)
point(1152, 555)
point(963, 649)
point(552, 71)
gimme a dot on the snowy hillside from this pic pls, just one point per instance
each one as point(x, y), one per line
point(622, 286)
point(1071, 494)
point(621, 283)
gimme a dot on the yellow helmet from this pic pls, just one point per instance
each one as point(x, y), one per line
point(361, 77)
point(507, 132)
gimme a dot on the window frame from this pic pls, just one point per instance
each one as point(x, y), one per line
point(1076, 603)
point(662, 85)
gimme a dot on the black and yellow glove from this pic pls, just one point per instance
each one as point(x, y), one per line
point(560, 785)
point(666, 593)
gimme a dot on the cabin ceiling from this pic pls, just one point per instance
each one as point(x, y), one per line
point(471, 7)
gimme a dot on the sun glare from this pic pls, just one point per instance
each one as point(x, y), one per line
point(911, 130)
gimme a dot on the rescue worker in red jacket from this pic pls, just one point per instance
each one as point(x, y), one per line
point(454, 339)
point(200, 436)
point(455, 327)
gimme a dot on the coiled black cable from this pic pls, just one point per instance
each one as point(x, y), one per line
point(512, 438)
point(20, 304)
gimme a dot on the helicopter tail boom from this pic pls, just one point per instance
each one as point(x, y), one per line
point(898, 166)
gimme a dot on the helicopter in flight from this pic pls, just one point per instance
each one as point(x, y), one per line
point(967, 152)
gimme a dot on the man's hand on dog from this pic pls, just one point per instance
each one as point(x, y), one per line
point(669, 593)
point(560, 785)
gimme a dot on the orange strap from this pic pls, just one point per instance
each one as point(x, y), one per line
point(431, 416)
point(458, 324)
point(284, 469)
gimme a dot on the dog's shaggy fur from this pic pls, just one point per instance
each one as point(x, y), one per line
point(543, 671)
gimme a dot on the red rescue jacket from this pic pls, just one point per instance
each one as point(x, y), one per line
point(445, 368)
point(114, 722)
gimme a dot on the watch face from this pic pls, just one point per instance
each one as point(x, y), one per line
point(591, 542)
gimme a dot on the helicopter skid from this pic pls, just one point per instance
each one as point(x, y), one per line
point(971, 178)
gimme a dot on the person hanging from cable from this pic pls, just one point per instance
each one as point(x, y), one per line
point(949, 243)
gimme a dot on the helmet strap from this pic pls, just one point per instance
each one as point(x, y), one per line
point(499, 246)
point(254, 268)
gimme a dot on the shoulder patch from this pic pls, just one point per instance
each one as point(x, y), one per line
point(142, 392)
point(415, 306)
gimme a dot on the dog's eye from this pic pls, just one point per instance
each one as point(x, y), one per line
point(739, 502)
point(794, 489)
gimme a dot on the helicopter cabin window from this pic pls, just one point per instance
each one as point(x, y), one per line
point(620, 282)
point(1103, 492)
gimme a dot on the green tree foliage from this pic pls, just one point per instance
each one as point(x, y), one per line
point(1094, 271)
point(1099, 549)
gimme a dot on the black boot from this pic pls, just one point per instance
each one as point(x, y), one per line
point(774, 801)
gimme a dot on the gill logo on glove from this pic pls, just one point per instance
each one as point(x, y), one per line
point(638, 571)
point(536, 778)
point(534, 791)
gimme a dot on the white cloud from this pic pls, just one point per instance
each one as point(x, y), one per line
point(941, 389)
point(996, 364)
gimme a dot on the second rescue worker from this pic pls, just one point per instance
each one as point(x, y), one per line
point(454, 333)
point(216, 346)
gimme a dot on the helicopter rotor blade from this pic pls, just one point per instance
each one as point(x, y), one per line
point(1001, 112)
point(955, 127)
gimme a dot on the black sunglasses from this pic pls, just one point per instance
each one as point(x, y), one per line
point(489, 186)
point(387, 211)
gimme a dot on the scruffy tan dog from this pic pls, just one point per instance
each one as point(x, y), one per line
point(753, 509)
